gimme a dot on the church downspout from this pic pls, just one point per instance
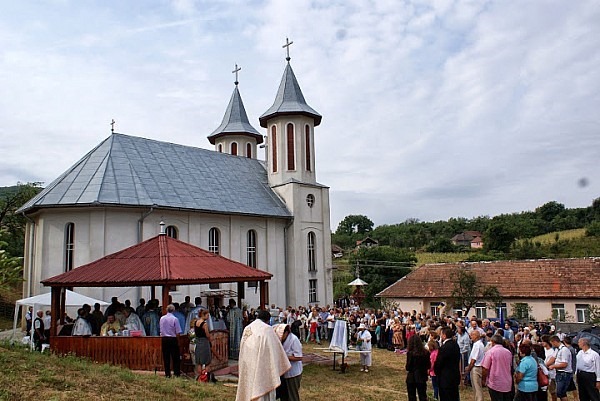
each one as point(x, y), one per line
point(286, 265)
point(140, 235)
point(31, 253)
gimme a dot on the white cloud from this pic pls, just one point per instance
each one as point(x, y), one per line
point(430, 109)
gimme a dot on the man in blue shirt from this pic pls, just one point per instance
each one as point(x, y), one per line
point(169, 331)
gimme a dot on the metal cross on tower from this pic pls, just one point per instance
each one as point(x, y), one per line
point(112, 126)
point(287, 48)
point(235, 71)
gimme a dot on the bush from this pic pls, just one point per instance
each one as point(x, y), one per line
point(593, 229)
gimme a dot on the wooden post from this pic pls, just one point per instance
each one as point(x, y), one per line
point(152, 292)
point(63, 304)
point(54, 309)
point(264, 294)
point(240, 293)
point(165, 298)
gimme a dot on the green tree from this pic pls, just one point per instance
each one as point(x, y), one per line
point(521, 311)
point(593, 229)
point(381, 267)
point(498, 237)
point(11, 269)
point(593, 313)
point(549, 211)
point(468, 291)
point(355, 223)
point(441, 244)
point(11, 199)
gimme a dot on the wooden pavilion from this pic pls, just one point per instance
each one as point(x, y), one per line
point(159, 261)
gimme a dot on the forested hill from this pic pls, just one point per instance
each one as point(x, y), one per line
point(500, 233)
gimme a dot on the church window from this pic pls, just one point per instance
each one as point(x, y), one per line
point(249, 151)
point(172, 232)
point(220, 148)
point(310, 200)
point(307, 143)
point(214, 239)
point(291, 162)
point(251, 253)
point(234, 148)
point(312, 257)
point(274, 147)
point(312, 290)
point(69, 246)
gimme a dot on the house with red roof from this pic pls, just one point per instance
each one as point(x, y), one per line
point(559, 289)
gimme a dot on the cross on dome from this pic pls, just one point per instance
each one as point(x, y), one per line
point(287, 48)
point(235, 71)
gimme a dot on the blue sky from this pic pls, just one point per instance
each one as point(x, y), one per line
point(430, 109)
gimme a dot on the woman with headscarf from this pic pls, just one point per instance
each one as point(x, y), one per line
point(363, 343)
point(398, 336)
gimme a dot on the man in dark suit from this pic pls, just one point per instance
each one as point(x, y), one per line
point(447, 367)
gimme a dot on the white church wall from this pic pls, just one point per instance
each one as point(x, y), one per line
point(100, 231)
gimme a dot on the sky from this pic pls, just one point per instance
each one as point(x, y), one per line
point(431, 109)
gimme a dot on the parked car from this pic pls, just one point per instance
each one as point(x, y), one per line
point(594, 340)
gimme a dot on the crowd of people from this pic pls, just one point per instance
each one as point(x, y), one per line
point(528, 363)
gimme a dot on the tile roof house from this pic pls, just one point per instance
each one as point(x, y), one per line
point(561, 287)
point(225, 201)
point(367, 243)
point(466, 239)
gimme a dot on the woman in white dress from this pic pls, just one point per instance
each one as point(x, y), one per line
point(363, 342)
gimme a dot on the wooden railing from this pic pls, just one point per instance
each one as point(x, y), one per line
point(136, 353)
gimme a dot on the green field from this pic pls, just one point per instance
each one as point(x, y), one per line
point(550, 238)
point(424, 258)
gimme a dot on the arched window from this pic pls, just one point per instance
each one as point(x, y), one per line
point(249, 150)
point(220, 148)
point(251, 253)
point(234, 148)
point(307, 143)
point(172, 232)
point(69, 246)
point(312, 257)
point(291, 162)
point(274, 147)
point(214, 239)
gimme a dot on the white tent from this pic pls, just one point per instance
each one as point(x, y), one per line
point(72, 299)
point(357, 282)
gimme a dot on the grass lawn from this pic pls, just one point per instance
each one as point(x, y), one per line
point(28, 375)
point(441, 257)
point(550, 238)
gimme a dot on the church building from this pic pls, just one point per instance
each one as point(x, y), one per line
point(272, 215)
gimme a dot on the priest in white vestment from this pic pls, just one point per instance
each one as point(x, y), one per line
point(262, 361)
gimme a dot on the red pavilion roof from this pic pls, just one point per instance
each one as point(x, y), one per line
point(158, 261)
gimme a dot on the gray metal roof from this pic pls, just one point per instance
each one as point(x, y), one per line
point(131, 171)
point(289, 100)
point(235, 120)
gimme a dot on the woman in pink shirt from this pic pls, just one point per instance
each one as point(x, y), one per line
point(433, 347)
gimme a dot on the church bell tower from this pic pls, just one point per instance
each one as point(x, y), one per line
point(236, 135)
point(290, 123)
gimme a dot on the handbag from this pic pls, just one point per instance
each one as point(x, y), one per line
point(542, 378)
point(203, 376)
